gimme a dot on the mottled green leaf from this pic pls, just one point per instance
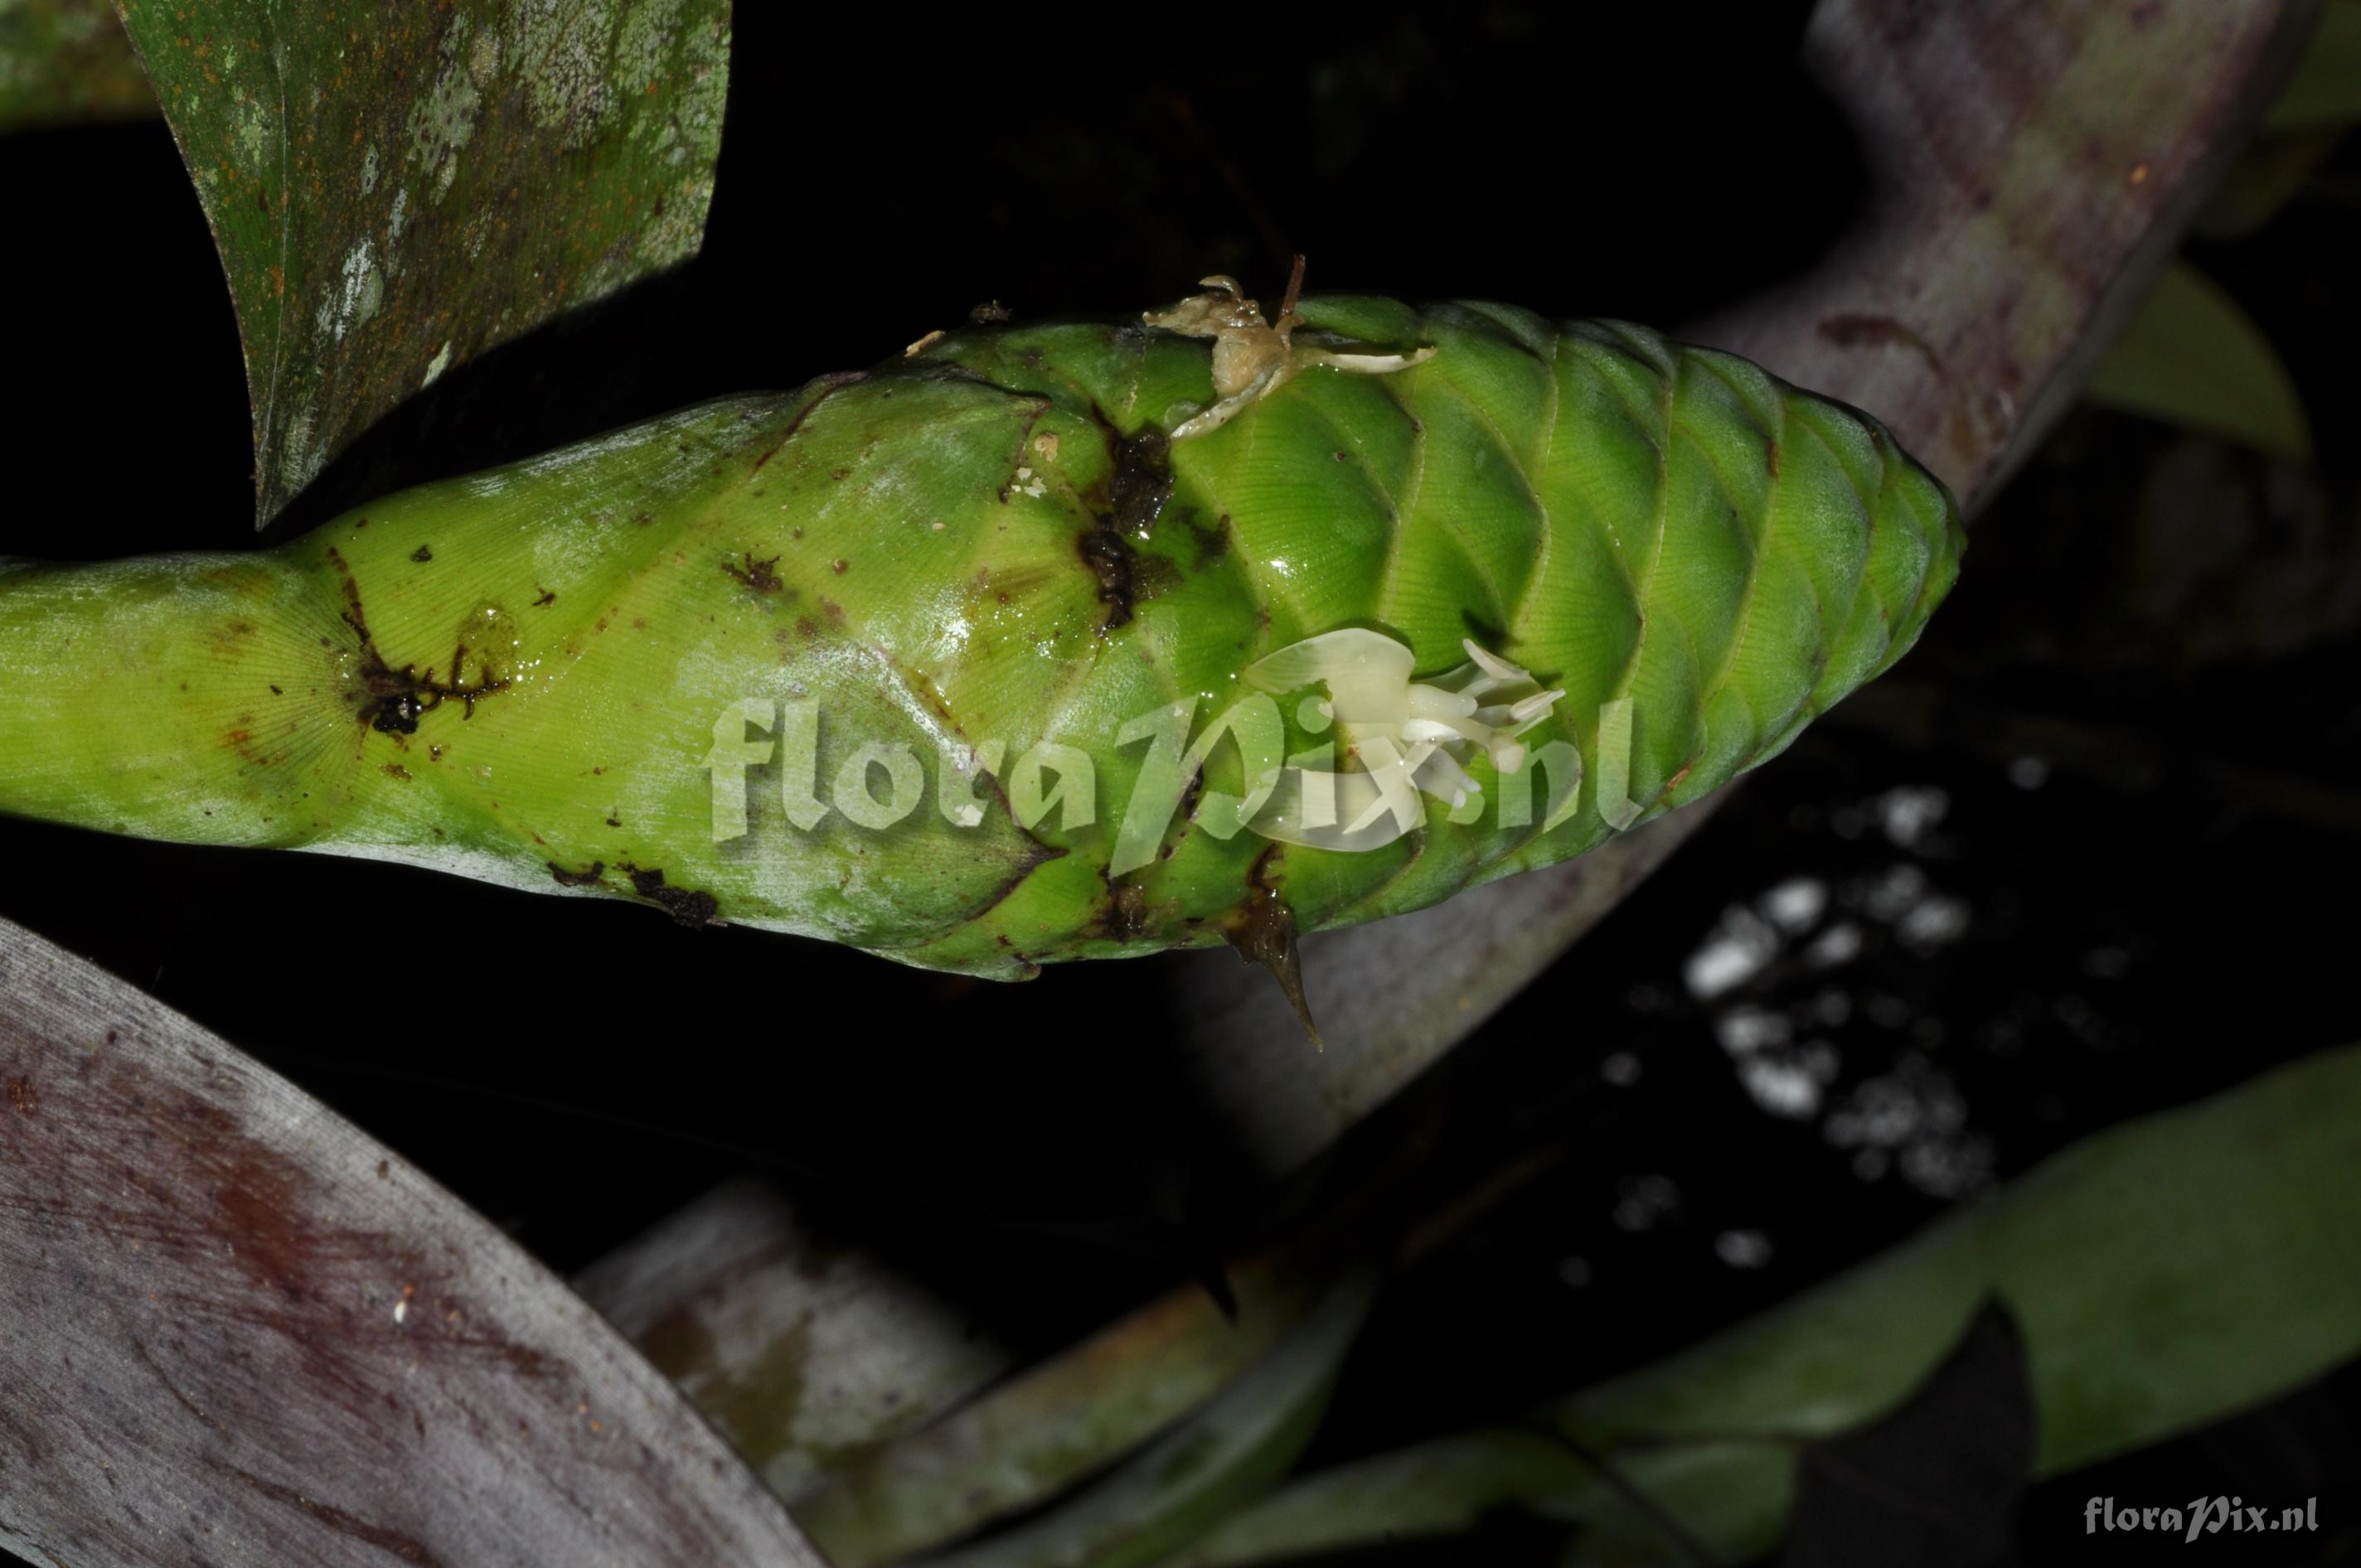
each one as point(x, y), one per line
point(396, 189)
point(66, 61)
point(2326, 87)
point(2164, 1273)
point(2193, 357)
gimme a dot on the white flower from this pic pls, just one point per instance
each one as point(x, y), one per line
point(1394, 737)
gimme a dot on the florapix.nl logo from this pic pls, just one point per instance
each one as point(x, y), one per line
point(2201, 1517)
point(1380, 741)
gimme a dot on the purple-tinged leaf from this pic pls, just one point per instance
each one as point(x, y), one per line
point(234, 1329)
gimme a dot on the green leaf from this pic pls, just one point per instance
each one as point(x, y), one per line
point(2165, 1274)
point(1198, 1473)
point(2193, 357)
point(394, 190)
point(1937, 1483)
point(2326, 87)
point(1057, 1424)
point(65, 61)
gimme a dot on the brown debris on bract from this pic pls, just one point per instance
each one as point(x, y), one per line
point(1123, 917)
point(761, 575)
point(1138, 483)
point(1128, 912)
point(1213, 541)
point(590, 878)
point(393, 701)
point(1109, 556)
point(1141, 481)
point(1262, 929)
point(687, 906)
point(395, 712)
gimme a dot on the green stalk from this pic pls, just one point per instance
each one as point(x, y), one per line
point(116, 669)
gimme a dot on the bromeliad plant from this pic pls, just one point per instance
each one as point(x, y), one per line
point(1208, 628)
point(1084, 640)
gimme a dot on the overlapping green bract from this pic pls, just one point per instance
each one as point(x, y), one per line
point(1629, 518)
point(727, 663)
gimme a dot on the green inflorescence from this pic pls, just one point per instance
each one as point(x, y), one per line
point(894, 659)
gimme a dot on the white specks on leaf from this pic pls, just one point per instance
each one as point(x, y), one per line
point(360, 289)
point(484, 58)
point(440, 363)
point(558, 53)
point(443, 121)
point(299, 459)
point(253, 133)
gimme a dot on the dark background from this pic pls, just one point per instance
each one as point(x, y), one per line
point(2098, 844)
